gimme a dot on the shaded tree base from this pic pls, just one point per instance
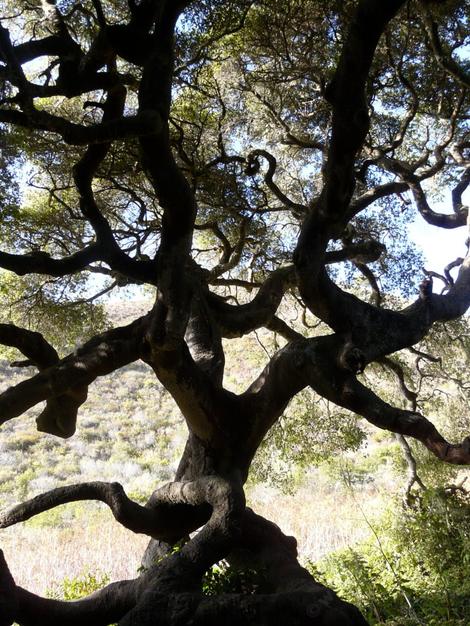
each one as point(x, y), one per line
point(280, 609)
point(168, 593)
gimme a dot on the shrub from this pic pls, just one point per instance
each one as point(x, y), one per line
point(415, 568)
point(76, 588)
point(223, 578)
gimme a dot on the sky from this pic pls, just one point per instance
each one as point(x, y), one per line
point(440, 246)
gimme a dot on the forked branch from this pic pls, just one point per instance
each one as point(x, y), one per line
point(69, 377)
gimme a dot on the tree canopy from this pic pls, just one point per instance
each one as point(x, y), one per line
point(243, 162)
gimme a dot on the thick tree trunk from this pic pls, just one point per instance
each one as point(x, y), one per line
point(195, 463)
point(287, 592)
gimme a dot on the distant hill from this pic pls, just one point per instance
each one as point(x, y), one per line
point(129, 430)
point(124, 311)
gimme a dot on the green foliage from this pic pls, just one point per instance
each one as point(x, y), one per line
point(223, 578)
point(58, 309)
point(76, 588)
point(414, 569)
point(308, 434)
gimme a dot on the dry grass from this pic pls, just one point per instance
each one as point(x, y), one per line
point(322, 521)
point(41, 556)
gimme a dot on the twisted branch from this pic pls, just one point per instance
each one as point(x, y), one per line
point(64, 383)
point(360, 399)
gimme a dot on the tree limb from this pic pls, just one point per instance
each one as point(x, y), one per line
point(443, 58)
point(60, 414)
point(236, 321)
point(31, 344)
point(204, 338)
point(67, 378)
point(146, 122)
point(380, 331)
point(27, 609)
point(253, 166)
point(357, 398)
point(443, 220)
point(171, 187)
point(350, 125)
point(42, 263)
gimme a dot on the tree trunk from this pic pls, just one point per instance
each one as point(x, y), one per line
point(286, 592)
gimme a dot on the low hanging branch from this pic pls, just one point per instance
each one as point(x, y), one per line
point(361, 400)
point(227, 502)
point(155, 519)
point(42, 263)
point(104, 607)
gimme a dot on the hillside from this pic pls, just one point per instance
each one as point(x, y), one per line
point(130, 429)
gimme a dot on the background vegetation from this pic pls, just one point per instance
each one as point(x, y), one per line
point(334, 483)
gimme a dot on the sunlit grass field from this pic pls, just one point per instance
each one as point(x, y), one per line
point(79, 539)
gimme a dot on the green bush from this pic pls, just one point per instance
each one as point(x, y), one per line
point(415, 568)
point(76, 588)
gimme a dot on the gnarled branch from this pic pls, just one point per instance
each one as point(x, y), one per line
point(60, 414)
point(360, 399)
point(66, 380)
point(146, 122)
point(42, 263)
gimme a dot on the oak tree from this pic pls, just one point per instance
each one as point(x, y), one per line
point(228, 156)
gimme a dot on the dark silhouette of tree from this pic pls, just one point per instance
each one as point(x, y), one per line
point(226, 154)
